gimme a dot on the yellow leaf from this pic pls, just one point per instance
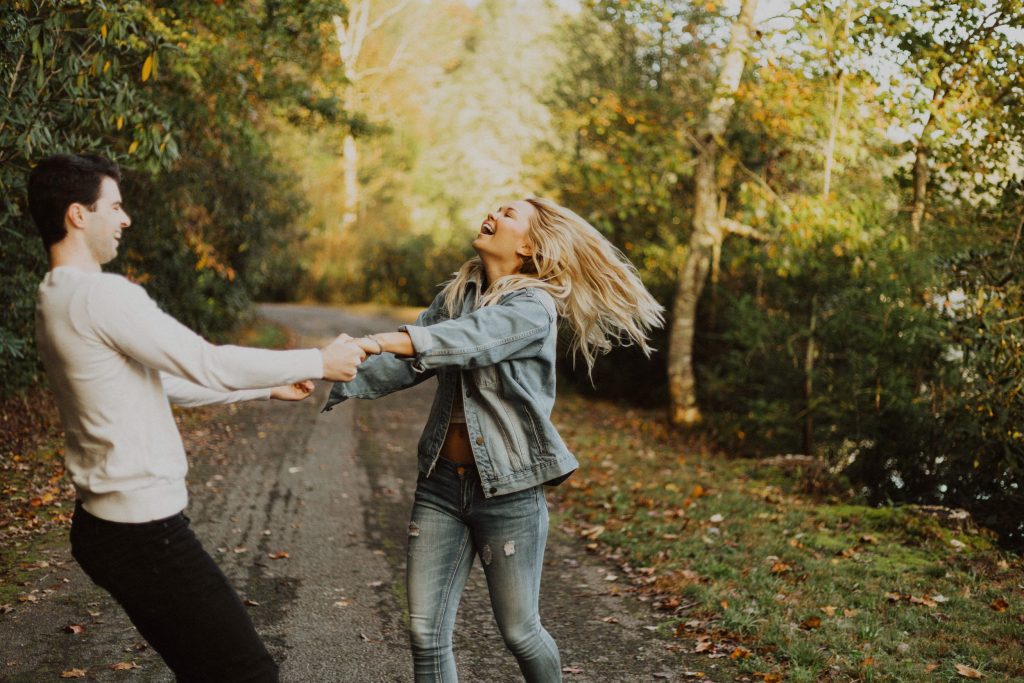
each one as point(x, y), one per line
point(968, 672)
point(147, 68)
point(73, 673)
point(134, 146)
point(120, 122)
point(103, 31)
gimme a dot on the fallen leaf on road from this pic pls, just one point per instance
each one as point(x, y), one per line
point(968, 672)
point(125, 666)
point(249, 602)
point(279, 555)
point(375, 584)
point(73, 673)
point(610, 620)
point(344, 602)
point(74, 628)
point(693, 674)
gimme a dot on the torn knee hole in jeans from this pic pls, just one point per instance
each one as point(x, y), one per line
point(510, 548)
point(414, 529)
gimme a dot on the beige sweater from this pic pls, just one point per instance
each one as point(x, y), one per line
point(113, 359)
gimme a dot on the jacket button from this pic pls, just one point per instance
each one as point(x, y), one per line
point(493, 490)
point(479, 441)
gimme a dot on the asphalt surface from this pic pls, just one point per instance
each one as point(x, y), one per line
point(307, 514)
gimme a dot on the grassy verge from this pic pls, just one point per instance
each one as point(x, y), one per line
point(795, 587)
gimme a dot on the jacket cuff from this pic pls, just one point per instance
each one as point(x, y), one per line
point(422, 343)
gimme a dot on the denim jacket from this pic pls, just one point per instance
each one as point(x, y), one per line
point(505, 354)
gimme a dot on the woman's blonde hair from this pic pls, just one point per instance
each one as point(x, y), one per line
point(597, 291)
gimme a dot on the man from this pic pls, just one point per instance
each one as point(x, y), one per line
point(113, 359)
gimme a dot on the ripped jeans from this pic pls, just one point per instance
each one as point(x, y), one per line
point(451, 523)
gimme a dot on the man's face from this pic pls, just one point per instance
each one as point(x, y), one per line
point(105, 221)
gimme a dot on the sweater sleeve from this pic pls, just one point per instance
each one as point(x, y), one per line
point(181, 392)
point(123, 316)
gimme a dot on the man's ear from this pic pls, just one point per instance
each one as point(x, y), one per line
point(75, 215)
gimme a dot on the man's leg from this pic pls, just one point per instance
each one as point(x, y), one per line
point(175, 595)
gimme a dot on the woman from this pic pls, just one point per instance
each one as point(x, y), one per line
point(489, 443)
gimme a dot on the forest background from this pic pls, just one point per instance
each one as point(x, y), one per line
point(826, 196)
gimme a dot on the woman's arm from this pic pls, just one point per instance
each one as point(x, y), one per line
point(515, 328)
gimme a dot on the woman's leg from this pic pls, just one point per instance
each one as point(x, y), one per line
point(439, 559)
point(509, 532)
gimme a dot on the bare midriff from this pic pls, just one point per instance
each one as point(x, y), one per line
point(456, 445)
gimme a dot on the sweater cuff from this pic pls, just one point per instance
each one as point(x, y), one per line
point(312, 364)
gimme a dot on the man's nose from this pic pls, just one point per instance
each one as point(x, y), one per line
point(127, 220)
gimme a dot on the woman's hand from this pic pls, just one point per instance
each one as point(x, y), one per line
point(293, 392)
point(370, 345)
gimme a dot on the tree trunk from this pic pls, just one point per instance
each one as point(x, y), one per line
point(808, 440)
point(350, 169)
point(830, 148)
point(707, 231)
point(921, 176)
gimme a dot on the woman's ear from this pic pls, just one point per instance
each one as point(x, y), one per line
point(525, 250)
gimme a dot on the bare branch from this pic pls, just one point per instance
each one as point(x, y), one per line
point(736, 228)
point(387, 15)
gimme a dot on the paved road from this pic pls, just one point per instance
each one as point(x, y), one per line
point(333, 491)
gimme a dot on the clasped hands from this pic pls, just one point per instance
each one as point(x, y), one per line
point(341, 358)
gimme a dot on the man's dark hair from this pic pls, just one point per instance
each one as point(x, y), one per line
point(61, 180)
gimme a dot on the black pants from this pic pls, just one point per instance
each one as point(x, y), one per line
point(175, 595)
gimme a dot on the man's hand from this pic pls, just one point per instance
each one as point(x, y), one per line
point(341, 359)
point(293, 392)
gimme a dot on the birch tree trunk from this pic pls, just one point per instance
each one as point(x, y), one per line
point(830, 147)
point(921, 176)
point(352, 32)
point(707, 227)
